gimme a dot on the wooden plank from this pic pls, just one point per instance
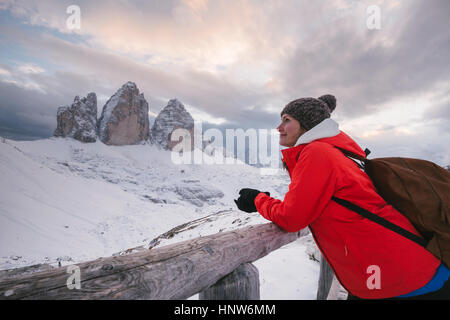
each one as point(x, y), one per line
point(241, 284)
point(178, 229)
point(12, 273)
point(326, 276)
point(176, 271)
point(337, 291)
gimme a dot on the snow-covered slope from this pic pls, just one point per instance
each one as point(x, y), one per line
point(63, 201)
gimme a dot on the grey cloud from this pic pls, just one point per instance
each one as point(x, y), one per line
point(99, 72)
point(25, 113)
point(53, 13)
point(363, 73)
point(430, 144)
point(22, 108)
point(439, 111)
point(329, 57)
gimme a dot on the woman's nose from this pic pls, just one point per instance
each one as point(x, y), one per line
point(279, 127)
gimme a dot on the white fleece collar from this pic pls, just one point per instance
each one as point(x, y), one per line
point(326, 129)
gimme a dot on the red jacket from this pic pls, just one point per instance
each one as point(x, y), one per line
point(352, 245)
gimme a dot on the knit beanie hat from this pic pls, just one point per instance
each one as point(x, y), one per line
point(310, 111)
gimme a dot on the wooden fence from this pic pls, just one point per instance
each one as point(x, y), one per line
point(217, 266)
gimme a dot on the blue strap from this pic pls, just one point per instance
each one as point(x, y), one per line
point(440, 277)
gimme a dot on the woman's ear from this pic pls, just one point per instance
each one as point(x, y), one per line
point(302, 130)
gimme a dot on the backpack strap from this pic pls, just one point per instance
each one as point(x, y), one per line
point(353, 156)
point(371, 216)
point(381, 221)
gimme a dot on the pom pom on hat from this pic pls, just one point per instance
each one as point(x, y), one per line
point(330, 101)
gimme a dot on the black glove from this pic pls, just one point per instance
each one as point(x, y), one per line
point(246, 201)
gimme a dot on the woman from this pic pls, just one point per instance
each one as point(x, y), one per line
point(370, 261)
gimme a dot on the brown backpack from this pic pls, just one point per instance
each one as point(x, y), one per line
point(418, 189)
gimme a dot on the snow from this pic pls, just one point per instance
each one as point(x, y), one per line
point(288, 273)
point(107, 111)
point(63, 201)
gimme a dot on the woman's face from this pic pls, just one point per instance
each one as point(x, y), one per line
point(290, 130)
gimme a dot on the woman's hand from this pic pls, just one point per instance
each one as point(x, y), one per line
point(246, 200)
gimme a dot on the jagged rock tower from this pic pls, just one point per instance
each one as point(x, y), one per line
point(124, 118)
point(172, 117)
point(79, 120)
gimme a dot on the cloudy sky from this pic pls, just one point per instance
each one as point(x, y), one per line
point(235, 64)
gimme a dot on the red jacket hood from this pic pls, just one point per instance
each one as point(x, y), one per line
point(342, 140)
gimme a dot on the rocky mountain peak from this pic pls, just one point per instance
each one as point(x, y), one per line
point(124, 118)
point(78, 120)
point(173, 116)
point(130, 85)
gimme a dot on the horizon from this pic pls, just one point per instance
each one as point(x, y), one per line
point(235, 65)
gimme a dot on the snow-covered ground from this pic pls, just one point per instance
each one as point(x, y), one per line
point(63, 201)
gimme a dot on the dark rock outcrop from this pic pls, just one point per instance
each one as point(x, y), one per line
point(172, 117)
point(79, 120)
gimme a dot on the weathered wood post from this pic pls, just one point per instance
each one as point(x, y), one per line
point(176, 271)
point(241, 284)
point(325, 279)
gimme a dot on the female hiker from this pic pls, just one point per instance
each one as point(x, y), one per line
point(370, 261)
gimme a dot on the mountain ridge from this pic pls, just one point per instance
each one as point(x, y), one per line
point(71, 201)
point(124, 119)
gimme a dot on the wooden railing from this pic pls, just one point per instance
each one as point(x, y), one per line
point(217, 266)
